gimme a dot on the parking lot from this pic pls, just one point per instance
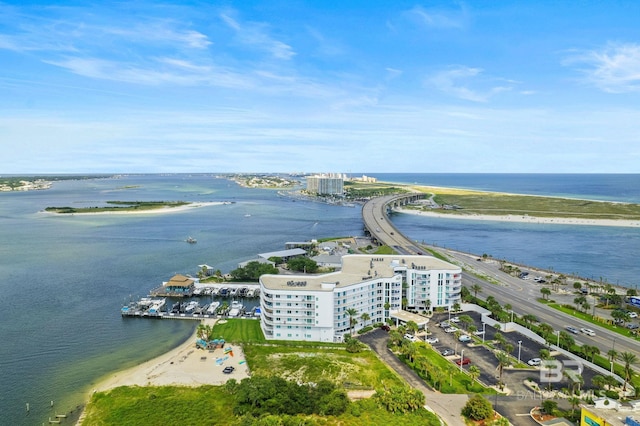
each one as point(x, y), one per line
point(486, 361)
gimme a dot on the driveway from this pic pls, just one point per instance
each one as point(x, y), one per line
point(447, 406)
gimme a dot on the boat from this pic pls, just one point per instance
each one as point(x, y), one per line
point(233, 291)
point(191, 240)
point(236, 309)
point(191, 306)
point(224, 292)
point(213, 307)
point(242, 292)
point(251, 292)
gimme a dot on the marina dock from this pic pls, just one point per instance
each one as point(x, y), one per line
point(207, 301)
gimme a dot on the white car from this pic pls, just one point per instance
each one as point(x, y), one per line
point(534, 362)
point(411, 337)
point(450, 330)
point(432, 340)
point(588, 331)
point(464, 338)
point(455, 319)
point(633, 315)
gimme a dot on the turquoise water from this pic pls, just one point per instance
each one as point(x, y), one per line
point(63, 279)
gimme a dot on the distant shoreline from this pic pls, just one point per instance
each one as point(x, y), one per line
point(526, 219)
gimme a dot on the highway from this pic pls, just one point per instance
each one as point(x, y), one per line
point(377, 223)
point(520, 294)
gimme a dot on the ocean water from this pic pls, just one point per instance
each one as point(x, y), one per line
point(63, 279)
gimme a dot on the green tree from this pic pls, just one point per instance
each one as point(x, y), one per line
point(412, 326)
point(365, 317)
point(352, 312)
point(503, 361)
point(478, 408)
point(628, 359)
point(545, 291)
point(474, 372)
point(303, 264)
point(400, 399)
point(549, 406)
point(476, 288)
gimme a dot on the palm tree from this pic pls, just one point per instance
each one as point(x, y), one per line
point(628, 359)
point(474, 372)
point(545, 292)
point(574, 401)
point(365, 317)
point(352, 312)
point(529, 319)
point(612, 354)
point(412, 326)
point(476, 288)
point(546, 331)
point(598, 381)
point(590, 351)
point(503, 361)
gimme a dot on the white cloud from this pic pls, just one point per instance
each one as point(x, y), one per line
point(438, 18)
point(456, 82)
point(256, 35)
point(614, 68)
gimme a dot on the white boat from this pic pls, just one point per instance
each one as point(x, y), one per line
point(191, 240)
point(191, 306)
point(235, 309)
point(251, 292)
point(157, 306)
point(213, 307)
point(233, 291)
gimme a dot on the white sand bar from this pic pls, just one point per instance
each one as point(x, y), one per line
point(525, 218)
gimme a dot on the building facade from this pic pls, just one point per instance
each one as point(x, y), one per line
point(316, 307)
point(325, 184)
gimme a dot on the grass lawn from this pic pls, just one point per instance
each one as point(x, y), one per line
point(311, 364)
point(239, 331)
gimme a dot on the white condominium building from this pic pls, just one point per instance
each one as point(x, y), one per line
point(315, 307)
point(325, 184)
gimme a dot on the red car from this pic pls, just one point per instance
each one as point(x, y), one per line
point(385, 327)
point(463, 361)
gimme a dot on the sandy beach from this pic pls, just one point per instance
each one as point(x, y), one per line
point(526, 219)
point(183, 366)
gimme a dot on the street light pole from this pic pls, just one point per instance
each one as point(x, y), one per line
point(483, 325)
point(611, 362)
point(461, 359)
point(558, 342)
point(519, 348)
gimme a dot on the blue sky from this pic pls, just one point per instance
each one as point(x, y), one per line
point(319, 86)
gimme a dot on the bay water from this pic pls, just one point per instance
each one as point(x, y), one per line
point(63, 278)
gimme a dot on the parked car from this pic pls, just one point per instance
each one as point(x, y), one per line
point(633, 314)
point(455, 319)
point(445, 324)
point(478, 333)
point(572, 329)
point(446, 352)
point(464, 338)
point(463, 361)
point(588, 331)
point(385, 327)
point(410, 337)
point(432, 340)
point(632, 326)
point(534, 362)
point(228, 370)
point(451, 330)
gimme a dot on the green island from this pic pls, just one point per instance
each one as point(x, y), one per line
point(120, 206)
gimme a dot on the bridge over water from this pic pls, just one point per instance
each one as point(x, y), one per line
point(376, 222)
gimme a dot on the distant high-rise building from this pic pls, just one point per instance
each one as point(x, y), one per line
point(326, 184)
